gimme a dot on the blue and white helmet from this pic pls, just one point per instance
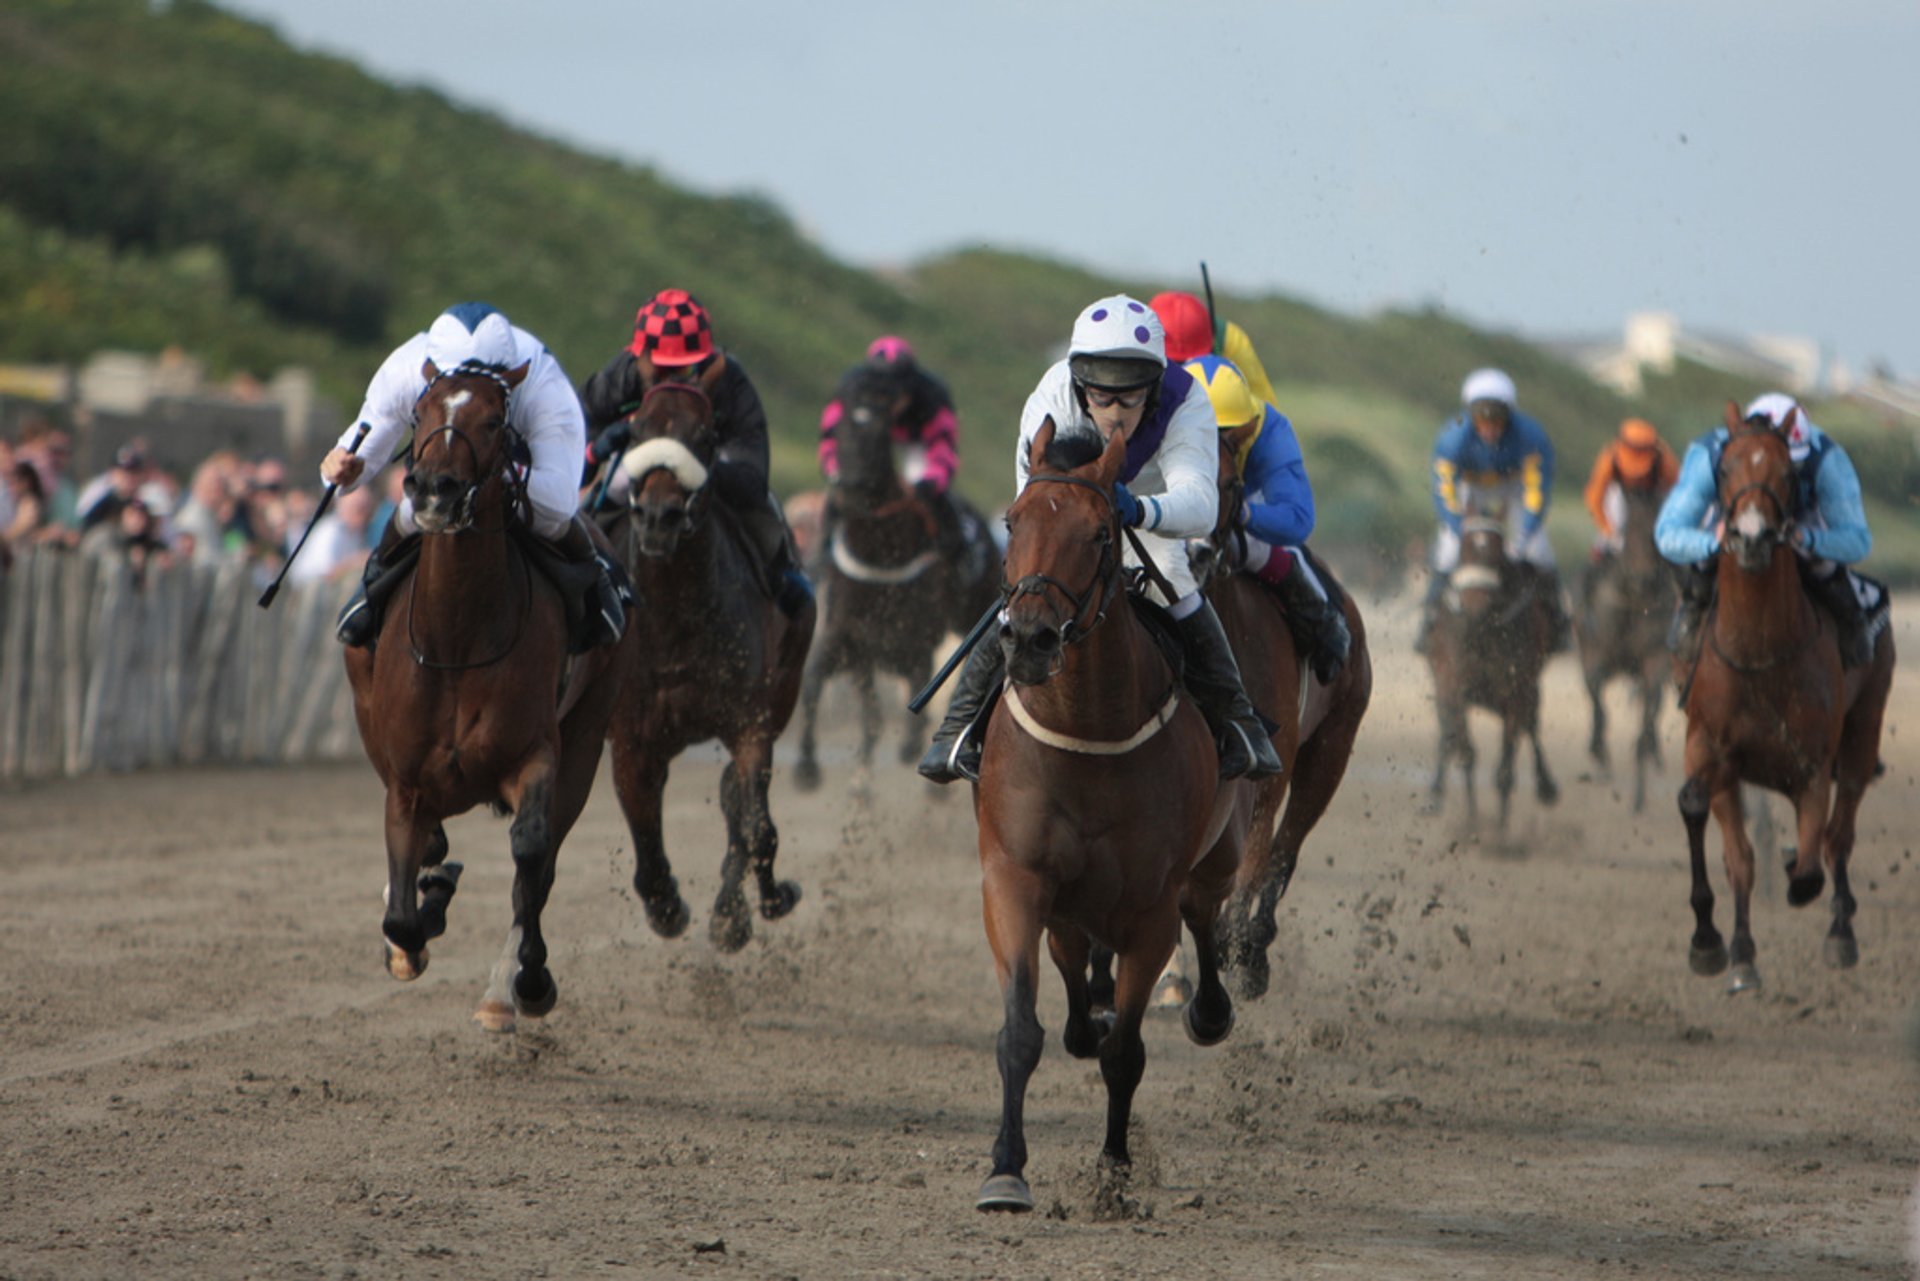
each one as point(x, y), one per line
point(1117, 344)
point(471, 334)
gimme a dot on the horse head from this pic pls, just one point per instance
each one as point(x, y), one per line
point(670, 463)
point(1481, 576)
point(871, 402)
point(1063, 550)
point(1208, 556)
point(1758, 502)
point(463, 447)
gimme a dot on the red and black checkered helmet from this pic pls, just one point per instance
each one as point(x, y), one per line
point(673, 329)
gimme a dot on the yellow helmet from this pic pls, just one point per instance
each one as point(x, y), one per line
point(1233, 401)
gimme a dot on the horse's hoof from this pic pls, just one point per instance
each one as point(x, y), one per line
point(495, 1016)
point(668, 917)
point(535, 993)
point(1086, 1044)
point(1005, 1192)
point(785, 896)
point(1840, 952)
point(731, 927)
point(1204, 1036)
point(1802, 890)
point(436, 886)
point(806, 775)
point(404, 965)
point(1547, 792)
point(1173, 990)
point(1746, 978)
point(1251, 977)
point(1708, 961)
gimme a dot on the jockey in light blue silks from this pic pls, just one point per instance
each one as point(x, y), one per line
point(1829, 533)
point(1116, 379)
point(1276, 514)
point(1490, 450)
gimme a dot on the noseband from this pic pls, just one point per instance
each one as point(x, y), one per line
point(697, 503)
point(1105, 574)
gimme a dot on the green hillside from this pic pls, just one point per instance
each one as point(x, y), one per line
point(182, 176)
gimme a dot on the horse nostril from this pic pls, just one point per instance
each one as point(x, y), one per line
point(1046, 640)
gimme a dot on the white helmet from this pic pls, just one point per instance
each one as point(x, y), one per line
point(472, 333)
point(1118, 343)
point(1488, 384)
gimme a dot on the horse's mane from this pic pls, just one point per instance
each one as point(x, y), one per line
point(1072, 450)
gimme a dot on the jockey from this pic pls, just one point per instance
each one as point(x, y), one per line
point(1491, 448)
point(1190, 333)
point(1635, 460)
point(1116, 379)
point(474, 337)
point(1830, 533)
point(924, 426)
point(1276, 514)
point(673, 342)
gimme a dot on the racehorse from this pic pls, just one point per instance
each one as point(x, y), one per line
point(1622, 630)
point(1318, 724)
point(888, 596)
point(1770, 704)
point(469, 698)
point(714, 658)
point(1100, 809)
point(1490, 640)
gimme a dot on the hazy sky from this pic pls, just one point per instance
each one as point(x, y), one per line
point(1532, 165)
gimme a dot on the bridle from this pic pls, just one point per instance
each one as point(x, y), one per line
point(466, 506)
point(1106, 575)
point(699, 498)
point(1779, 530)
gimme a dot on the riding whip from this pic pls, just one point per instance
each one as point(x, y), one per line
point(919, 701)
point(319, 510)
point(1213, 316)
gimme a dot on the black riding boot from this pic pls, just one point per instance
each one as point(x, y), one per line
point(1835, 591)
point(1316, 625)
point(954, 753)
point(1690, 612)
point(607, 612)
point(1213, 678)
point(359, 623)
point(1429, 607)
point(787, 583)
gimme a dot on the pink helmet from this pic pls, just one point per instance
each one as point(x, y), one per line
point(890, 352)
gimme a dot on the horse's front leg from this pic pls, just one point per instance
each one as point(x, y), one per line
point(640, 781)
point(1123, 1055)
point(1072, 951)
point(751, 842)
point(1503, 771)
point(1452, 720)
point(520, 983)
point(813, 679)
point(869, 714)
point(1841, 950)
point(1010, 906)
point(913, 726)
point(1806, 878)
point(1209, 1015)
point(410, 838)
point(1597, 740)
point(1646, 748)
point(1738, 856)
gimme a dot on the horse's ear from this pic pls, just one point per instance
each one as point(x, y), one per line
point(1236, 438)
point(515, 377)
point(1733, 418)
point(710, 376)
point(429, 370)
point(1037, 451)
point(1113, 458)
point(1791, 421)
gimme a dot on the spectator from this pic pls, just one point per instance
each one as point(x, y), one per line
point(27, 502)
point(102, 497)
point(338, 545)
point(212, 516)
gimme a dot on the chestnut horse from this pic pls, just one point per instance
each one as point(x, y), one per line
point(1490, 641)
point(1318, 724)
point(887, 596)
point(1100, 808)
point(714, 658)
point(469, 698)
point(1771, 705)
point(1623, 632)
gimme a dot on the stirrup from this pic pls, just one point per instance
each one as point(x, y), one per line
point(949, 764)
point(357, 627)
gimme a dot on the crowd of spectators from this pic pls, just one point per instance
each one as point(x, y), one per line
point(231, 509)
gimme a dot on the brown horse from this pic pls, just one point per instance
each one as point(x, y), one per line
point(469, 697)
point(714, 658)
point(1101, 813)
point(1490, 641)
point(889, 598)
point(1622, 629)
point(1771, 705)
point(1318, 724)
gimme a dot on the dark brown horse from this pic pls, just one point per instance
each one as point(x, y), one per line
point(469, 697)
point(714, 658)
point(1490, 641)
point(1771, 705)
point(888, 597)
point(1622, 628)
point(1318, 724)
point(1101, 813)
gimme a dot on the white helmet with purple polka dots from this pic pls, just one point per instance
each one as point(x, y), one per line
point(1117, 345)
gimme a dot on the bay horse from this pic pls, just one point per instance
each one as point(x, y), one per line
point(714, 658)
point(1622, 628)
point(1770, 704)
point(887, 595)
point(1100, 810)
point(1318, 724)
point(469, 698)
point(1491, 639)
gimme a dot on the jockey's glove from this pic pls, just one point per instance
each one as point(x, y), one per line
point(1126, 506)
point(611, 440)
point(928, 489)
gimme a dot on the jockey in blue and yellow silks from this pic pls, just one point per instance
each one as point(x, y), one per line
point(1276, 514)
point(1492, 450)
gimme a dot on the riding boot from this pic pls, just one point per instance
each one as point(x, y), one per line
point(1213, 678)
point(787, 583)
point(1835, 591)
point(1690, 612)
point(1429, 607)
point(1315, 623)
point(359, 623)
point(954, 752)
point(607, 612)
